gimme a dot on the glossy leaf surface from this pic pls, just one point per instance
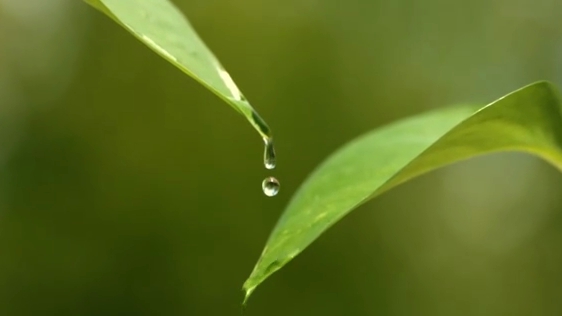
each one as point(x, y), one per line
point(161, 26)
point(527, 120)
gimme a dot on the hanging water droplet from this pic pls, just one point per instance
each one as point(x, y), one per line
point(270, 186)
point(269, 159)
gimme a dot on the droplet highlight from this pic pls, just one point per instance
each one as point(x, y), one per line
point(270, 186)
point(269, 158)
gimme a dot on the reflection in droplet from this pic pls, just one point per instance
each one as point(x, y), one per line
point(270, 186)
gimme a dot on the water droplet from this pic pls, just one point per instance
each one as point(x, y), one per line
point(269, 159)
point(270, 186)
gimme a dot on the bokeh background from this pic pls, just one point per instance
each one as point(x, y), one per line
point(128, 189)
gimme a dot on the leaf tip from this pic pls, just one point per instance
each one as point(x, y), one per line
point(262, 271)
point(248, 290)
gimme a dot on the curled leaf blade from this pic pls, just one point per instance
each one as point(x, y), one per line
point(527, 120)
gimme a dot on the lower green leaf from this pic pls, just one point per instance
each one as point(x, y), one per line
point(527, 120)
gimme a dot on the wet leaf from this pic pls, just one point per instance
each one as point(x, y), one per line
point(527, 120)
point(162, 27)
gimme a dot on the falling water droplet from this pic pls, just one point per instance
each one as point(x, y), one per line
point(269, 159)
point(270, 186)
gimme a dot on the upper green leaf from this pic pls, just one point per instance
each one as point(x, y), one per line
point(527, 120)
point(162, 27)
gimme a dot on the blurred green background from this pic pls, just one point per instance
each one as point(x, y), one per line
point(128, 189)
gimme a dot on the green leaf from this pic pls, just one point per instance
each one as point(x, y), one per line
point(162, 27)
point(527, 120)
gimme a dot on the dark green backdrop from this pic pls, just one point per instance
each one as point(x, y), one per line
point(128, 189)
